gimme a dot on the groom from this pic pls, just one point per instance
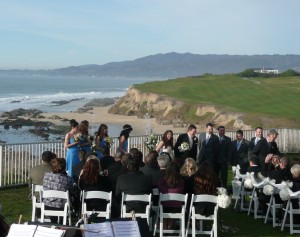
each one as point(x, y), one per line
point(192, 141)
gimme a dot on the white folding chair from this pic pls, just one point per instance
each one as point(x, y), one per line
point(107, 196)
point(272, 205)
point(66, 213)
point(179, 216)
point(193, 216)
point(146, 198)
point(36, 202)
point(253, 197)
point(291, 211)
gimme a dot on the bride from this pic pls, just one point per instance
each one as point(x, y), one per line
point(166, 143)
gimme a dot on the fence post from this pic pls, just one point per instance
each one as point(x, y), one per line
point(1, 160)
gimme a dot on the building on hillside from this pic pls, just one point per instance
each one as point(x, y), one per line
point(266, 70)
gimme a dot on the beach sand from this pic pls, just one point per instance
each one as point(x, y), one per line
point(100, 115)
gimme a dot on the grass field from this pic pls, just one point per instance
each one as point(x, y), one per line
point(271, 97)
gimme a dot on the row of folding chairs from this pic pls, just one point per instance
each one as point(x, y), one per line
point(241, 193)
point(152, 212)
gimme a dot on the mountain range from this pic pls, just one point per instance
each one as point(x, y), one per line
point(172, 65)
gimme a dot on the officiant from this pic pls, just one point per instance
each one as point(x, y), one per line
point(187, 144)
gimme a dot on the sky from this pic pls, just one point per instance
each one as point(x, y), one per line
point(48, 34)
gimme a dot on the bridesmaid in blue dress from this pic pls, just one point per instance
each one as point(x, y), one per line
point(101, 139)
point(123, 139)
point(85, 141)
point(71, 144)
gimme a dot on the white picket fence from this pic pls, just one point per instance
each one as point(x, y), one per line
point(16, 160)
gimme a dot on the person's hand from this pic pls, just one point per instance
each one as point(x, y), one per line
point(268, 158)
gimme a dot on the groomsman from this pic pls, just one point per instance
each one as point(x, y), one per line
point(266, 146)
point(239, 152)
point(209, 143)
point(223, 156)
point(254, 140)
point(189, 138)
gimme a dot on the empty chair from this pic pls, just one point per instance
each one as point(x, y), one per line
point(142, 201)
point(36, 202)
point(100, 198)
point(65, 213)
point(204, 200)
point(291, 210)
point(164, 214)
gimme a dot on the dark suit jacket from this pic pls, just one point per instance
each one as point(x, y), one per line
point(185, 154)
point(209, 150)
point(76, 169)
point(153, 172)
point(224, 150)
point(133, 183)
point(240, 157)
point(263, 148)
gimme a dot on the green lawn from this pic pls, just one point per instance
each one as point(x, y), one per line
point(15, 202)
point(276, 97)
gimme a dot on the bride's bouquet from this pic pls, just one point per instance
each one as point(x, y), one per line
point(151, 142)
point(109, 141)
point(78, 137)
point(184, 146)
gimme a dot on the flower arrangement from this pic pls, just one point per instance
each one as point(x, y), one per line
point(268, 189)
point(248, 183)
point(109, 140)
point(78, 137)
point(184, 146)
point(151, 142)
point(223, 200)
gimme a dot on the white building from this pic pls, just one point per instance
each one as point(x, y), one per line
point(266, 70)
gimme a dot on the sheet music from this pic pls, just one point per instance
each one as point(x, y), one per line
point(126, 229)
point(17, 230)
point(48, 232)
point(98, 229)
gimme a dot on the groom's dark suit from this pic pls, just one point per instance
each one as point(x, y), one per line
point(192, 152)
point(208, 150)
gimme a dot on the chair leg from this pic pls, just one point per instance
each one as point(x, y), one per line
point(285, 214)
point(291, 222)
point(251, 200)
point(268, 210)
point(193, 226)
point(161, 226)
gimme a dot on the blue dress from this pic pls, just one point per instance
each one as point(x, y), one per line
point(72, 157)
point(86, 148)
point(124, 147)
point(102, 144)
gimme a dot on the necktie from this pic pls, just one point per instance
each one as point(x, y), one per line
point(238, 144)
point(207, 138)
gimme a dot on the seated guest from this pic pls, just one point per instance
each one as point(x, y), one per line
point(151, 167)
point(121, 171)
point(134, 182)
point(163, 161)
point(254, 165)
point(205, 182)
point(172, 182)
point(106, 159)
point(116, 166)
point(295, 171)
point(187, 171)
point(76, 169)
point(56, 180)
point(281, 174)
point(295, 161)
point(139, 157)
point(37, 173)
point(91, 180)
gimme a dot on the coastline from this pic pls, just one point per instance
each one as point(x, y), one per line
point(99, 115)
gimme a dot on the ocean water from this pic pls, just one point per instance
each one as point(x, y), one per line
point(37, 92)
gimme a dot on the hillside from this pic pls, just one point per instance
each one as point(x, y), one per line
point(238, 103)
point(172, 65)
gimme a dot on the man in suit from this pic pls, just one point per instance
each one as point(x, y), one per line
point(254, 140)
point(151, 167)
point(134, 182)
point(189, 138)
point(239, 152)
point(266, 146)
point(223, 156)
point(209, 143)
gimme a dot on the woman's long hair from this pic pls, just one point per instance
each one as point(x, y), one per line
point(189, 167)
point(90, 171)
point(205, 180)
point(172, 176)
point(126, 130)
point(165, 139)
point(101, 133)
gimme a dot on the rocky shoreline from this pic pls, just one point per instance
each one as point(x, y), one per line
point(43, 126)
